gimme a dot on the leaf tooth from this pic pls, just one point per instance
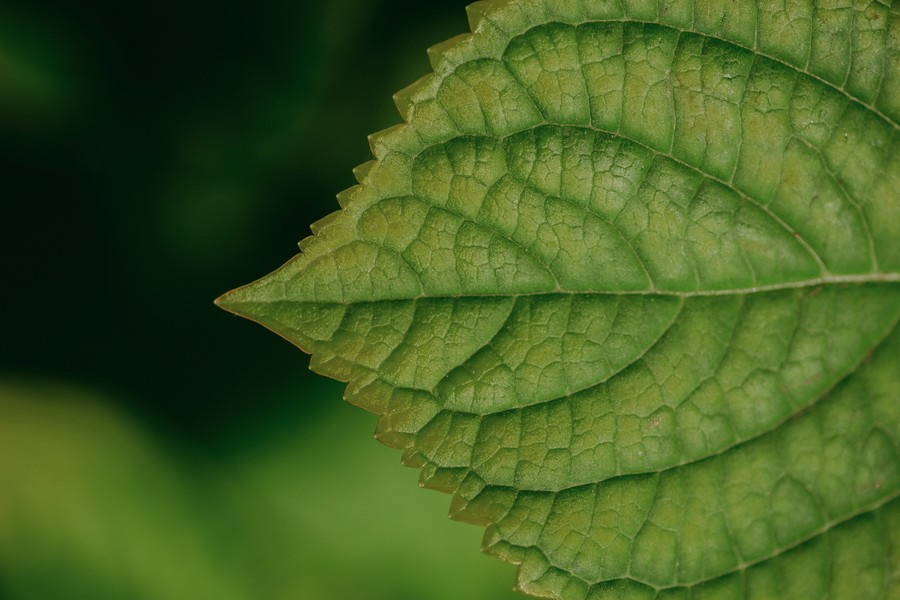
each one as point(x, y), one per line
point(306, 242)
point(437, 52)
point(471, 487)
point(404, 99)
point(369, 394)
point(476, 11)
point(413, 458)
point(475, 503)
point(427, 472)
point(380, 141)
point(362, 171)
point(535, 576)
point(345, 197)
point(322, 223)
point(432, 477)
point(391, 437)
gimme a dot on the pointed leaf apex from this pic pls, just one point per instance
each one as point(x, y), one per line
point(234, 301)
point(250, 301)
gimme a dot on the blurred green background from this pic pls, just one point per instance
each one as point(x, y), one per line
point(154, 155)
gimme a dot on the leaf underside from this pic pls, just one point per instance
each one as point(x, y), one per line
point(626, 283)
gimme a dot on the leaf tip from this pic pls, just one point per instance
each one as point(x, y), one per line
point(232, 301)
point(248, 301)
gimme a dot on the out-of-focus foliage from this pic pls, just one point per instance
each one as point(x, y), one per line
point(152, 154)
point(92, 505)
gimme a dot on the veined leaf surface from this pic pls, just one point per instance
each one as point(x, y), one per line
point(626, 283)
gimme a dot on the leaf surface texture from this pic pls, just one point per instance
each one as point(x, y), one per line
point(626, 283)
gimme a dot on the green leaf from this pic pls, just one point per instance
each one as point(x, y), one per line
point(626, 283)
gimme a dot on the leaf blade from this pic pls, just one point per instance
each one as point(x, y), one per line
point(572, 157)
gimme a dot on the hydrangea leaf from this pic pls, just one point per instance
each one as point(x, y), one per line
point(626, 283)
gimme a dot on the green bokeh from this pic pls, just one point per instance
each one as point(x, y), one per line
point(94, 506)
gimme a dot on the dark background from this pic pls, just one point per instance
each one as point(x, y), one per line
point(154, 155)
point(157, 154)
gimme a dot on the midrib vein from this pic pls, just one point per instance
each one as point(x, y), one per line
point(873, 278)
